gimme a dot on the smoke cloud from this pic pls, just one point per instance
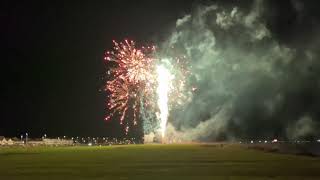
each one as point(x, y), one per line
point(250, 82)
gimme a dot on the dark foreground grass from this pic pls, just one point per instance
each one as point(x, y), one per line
point(153, 162)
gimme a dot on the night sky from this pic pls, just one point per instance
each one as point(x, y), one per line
point(53, 69)
point(52, 65)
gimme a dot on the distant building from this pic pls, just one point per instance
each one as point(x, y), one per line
point(50, 142)
point(61, 142)
point(3, 141)
point(10, 142)
point(36, 142)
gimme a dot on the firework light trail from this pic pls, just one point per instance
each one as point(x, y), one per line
point(164, 78)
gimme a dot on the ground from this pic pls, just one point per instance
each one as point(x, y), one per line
point(193, 161)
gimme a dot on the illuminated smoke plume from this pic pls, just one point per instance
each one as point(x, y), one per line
point(249, 82)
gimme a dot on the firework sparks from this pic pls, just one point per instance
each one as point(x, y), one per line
point(131, 79)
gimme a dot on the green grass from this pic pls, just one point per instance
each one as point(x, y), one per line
point(153, 162)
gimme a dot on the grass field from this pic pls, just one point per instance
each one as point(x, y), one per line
point(153, 162)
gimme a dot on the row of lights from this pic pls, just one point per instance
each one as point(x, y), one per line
point(64, 137)
point(275, 141)
point(88, 139)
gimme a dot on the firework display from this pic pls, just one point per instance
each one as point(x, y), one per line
point(141, 81)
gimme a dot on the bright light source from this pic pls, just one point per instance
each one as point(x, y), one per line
point(164, 81)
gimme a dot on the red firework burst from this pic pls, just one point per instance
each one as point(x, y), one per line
point(131, 79)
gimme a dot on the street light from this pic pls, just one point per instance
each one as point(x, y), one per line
point(26, 138)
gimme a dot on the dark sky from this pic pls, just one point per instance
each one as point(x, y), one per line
point(52, 62)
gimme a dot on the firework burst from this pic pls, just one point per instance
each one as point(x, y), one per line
point(131, 79)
